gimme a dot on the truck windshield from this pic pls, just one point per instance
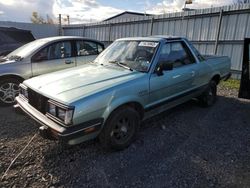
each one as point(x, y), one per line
point(136, 55)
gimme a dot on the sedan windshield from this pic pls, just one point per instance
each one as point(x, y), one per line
point(26, 49)
point(134, 55)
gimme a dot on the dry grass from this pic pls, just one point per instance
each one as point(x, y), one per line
point(231, 84)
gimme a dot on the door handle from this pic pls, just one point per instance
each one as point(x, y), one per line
point(68, 61)
point(192, 73)
point(176, 76)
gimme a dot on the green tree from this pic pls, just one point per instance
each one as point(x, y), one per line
point(38, 19)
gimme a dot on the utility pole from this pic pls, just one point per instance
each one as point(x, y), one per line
point(68, 19)
point(60, 25)
point(186, 3)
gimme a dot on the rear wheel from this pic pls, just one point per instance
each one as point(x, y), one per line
point(9, 89)
point(208, 98)
point(120, 129)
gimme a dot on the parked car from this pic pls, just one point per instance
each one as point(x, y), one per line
point(43, 56)
point(12, 38)
point(133, 79)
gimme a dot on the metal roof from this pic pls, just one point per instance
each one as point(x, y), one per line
point(128, 12)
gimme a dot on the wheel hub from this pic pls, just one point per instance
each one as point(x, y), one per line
point(121, 130)
point(8, 92)
point(124, 129)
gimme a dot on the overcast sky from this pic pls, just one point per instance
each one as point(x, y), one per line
point(81, 11)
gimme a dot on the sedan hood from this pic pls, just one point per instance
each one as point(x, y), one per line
point(6, 61)
point(72, 84)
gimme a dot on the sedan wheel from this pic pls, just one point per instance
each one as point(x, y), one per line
point(9, 89)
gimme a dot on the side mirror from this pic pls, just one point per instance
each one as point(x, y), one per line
point(164, 66)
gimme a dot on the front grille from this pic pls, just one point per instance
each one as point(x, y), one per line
point(37, 101)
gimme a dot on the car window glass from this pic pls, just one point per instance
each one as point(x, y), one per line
point(55, 51)
point(100, 48)
point(176, 53)
point(59, 50)
point(134, 54)
point(196, 52)
point(85, 48)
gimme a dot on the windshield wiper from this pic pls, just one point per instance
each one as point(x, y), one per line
point(121, 65)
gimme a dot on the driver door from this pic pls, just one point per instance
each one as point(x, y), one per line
point(56, 56)
point(172, 84)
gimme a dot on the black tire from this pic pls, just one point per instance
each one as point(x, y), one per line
point(208, 98)
point(120, 129)
point(9, 89)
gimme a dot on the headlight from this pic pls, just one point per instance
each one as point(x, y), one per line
point(23, 90)
point(52, 109)
point(62, 113)
point(68, 117)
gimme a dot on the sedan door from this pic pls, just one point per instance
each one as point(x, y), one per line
point(87, 51)
point(176, 83)
point(54, 57)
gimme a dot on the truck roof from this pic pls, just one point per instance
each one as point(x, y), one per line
point(153, 38)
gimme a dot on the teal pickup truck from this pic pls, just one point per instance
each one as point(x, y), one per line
point(133, 79)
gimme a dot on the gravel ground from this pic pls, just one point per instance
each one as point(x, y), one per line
point(187, 146)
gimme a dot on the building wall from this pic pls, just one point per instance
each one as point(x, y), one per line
point(38, 30)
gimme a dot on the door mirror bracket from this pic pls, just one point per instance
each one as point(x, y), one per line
point(164, 66)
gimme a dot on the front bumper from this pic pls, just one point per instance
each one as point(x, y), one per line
point(51, 130)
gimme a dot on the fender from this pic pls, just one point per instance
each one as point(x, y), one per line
point(116, 103)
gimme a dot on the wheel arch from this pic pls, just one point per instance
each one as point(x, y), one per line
point(134, 104)
point(12, 76)
point(216, 78)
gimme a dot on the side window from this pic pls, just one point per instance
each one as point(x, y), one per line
point(196, 52)
point(85, 48)
point(176, 53)
point(57, 50)
point(100, 48)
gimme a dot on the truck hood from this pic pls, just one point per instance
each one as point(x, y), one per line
point(70, 85)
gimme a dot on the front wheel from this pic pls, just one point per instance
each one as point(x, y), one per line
point(120, 129)
point(9, 89)
point(209, 96)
